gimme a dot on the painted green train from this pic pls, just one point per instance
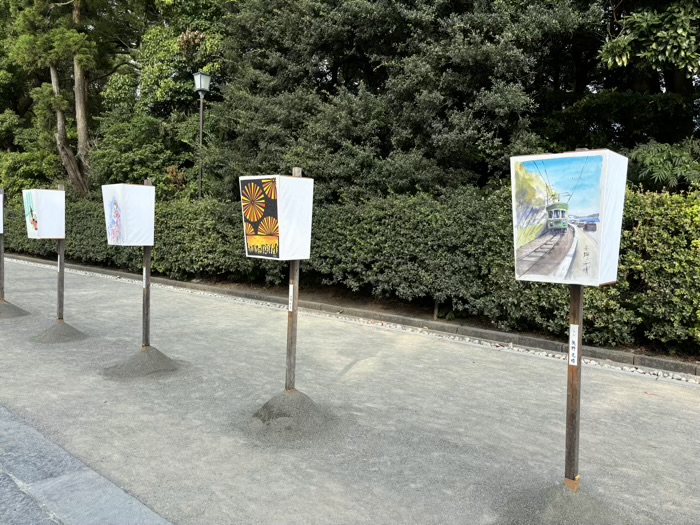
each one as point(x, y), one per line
point(558, 217)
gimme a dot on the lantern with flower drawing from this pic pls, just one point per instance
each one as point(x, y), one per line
point(277, 213)
point(129, 214)
point(45, 213)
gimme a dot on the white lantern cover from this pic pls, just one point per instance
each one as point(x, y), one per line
point(567, 216)
point(45, 213)
point(129, 214)
point(277, 215)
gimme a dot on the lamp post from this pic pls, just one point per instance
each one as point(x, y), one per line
point(201, 86)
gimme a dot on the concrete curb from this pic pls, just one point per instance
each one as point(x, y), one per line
point(491, 336)
point(46, 484)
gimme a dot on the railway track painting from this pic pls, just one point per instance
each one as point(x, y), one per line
point(545, 254)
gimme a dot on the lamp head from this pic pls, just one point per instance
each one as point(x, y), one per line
point(201, 83)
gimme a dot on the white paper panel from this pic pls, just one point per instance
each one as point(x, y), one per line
point(295, 212)
point(45, 213)
point(140, 219)
point(129, 214)
point(567, 216)
point(52, 209)
point(614, 195)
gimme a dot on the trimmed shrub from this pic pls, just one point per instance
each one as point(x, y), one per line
point(457, 250)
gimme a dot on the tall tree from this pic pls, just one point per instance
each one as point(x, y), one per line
point(42, 40)
point(72, 40)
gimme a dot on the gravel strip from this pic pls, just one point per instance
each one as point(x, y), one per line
point(658, 374)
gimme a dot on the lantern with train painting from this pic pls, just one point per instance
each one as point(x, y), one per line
point(567, 216)
point(45, 213)
point(129, 214)
point(277, 213)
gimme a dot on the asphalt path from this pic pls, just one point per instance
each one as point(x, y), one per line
point(418, 429)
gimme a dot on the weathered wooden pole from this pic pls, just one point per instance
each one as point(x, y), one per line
point(61, 272)
point(2, 246)
point(292, 316)
point(146, 318)
point(573, 389)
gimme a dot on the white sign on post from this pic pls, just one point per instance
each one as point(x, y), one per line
point(2, 213)
point(45, 213)
point(129, 214)
point(573, 345)
point(277, 214)
point(567, 216)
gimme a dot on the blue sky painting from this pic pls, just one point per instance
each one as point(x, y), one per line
point(579, 176)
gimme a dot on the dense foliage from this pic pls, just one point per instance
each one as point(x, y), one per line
point(424, 248)
point(404, 111)
point(371, 97)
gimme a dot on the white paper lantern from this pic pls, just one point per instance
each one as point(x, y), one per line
point(567, 216)
point(45, 213)
point(277, 213)
point(129, 214)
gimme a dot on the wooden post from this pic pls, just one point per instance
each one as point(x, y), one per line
point(146, 318)
point(2, 247)
point(573, 389)
point(292, 316)
point(61, 272)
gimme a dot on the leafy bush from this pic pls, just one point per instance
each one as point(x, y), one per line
point(660, 254)
point(457, 249)
point(667, 165)
point(26, 170)
point(134, 147)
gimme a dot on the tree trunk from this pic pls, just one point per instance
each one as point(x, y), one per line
point(81, 98)
point(677, 82)
point(70, 163)
point(81, 110)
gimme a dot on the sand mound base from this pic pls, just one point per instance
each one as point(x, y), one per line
point(59, 332)
point(149, 360)
point(10, 311)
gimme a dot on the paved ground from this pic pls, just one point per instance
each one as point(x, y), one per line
point(420, 429)
point(42, 483)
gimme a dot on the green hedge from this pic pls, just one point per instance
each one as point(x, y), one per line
point(457, 250)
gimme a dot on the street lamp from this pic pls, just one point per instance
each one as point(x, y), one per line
point(201, 86)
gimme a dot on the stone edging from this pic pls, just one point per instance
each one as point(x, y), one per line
point(486, 335)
